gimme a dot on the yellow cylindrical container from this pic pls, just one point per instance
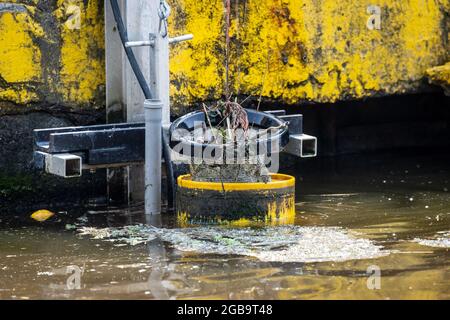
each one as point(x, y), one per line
point(235, 203)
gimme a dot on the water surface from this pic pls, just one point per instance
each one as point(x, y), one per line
point(390, 212)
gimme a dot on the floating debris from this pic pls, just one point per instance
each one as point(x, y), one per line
point(441, 240)
point(132, 265)
point(132, 235)
point(42, 215)
point(95, 232)
point(271, 244)
point(70, 226)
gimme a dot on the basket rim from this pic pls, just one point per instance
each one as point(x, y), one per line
point(279, 181)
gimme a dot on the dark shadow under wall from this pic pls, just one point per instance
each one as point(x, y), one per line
point(377, 124)
point(23, 187)
point(410, 122)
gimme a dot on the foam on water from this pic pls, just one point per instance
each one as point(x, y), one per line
point(274, 244)
point(440, 240)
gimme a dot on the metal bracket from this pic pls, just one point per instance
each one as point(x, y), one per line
point(66, 151)
point(62, 164)
point(97, 146)
point(182, 38)
point(300, 144)
point(151, 41)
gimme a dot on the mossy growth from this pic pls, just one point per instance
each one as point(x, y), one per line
point(15, 185)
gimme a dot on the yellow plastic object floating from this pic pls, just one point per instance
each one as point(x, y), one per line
point(42, 215)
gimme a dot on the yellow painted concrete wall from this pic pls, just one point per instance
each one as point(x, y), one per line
point(314, 50)
point(52, 52)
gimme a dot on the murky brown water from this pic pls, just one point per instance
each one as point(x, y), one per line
point(397, 208)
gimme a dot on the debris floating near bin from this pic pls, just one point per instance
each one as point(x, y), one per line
point(270, 244)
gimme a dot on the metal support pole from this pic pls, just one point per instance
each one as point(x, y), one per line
point(153, 123)
point(145, 24)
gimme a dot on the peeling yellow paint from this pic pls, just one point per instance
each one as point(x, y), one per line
point(441, 76)
point(440, 73)
point(82, 68)
point(281, 213)
point(19, 56)
point(311, 50)
point(288, 50)
point(278, 213)
point(30, 70)
point(195, 69)
point(14, 95)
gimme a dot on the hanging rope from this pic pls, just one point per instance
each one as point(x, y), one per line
point(163, 13)
point(227, 50)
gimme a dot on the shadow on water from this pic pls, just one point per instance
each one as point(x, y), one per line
point(390, 212)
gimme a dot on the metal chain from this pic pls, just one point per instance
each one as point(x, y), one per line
point(163, 13)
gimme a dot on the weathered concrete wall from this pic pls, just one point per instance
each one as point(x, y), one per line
point(308, 50)
point(441, 76)
point(52, 52)
point(52, 56)
point(51, 71)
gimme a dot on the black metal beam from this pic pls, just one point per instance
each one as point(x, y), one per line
point(98, 145)
point(111, 144)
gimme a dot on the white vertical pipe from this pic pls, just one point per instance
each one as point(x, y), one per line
point(153, 149)
point(159, 62)
point(159, 85)
point(141, 19)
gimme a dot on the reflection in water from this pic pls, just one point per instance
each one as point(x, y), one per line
point(391, 212)
point(155, 285)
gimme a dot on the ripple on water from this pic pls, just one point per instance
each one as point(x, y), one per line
point(271, 244)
